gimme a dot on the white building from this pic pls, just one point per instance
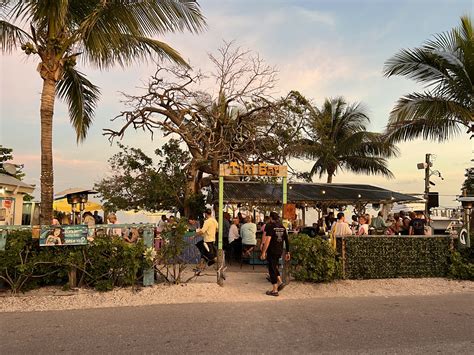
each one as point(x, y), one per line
point(12, 191)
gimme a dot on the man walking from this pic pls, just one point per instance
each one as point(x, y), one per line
point(208, 232)
point(272, 250)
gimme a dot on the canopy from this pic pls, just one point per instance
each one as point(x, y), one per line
point(305, 193)
point(74, 190)
point(61, 205)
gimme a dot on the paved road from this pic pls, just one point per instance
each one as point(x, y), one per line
point(411, 324)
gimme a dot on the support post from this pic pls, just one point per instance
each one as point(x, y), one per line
point(427, 186)
point(148, 274)
point(220, 253)
point(286, 264)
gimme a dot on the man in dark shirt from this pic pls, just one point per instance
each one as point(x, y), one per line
point(417, 224)
point(272, 250)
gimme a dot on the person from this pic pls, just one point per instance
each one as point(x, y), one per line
point(378, 222)
point(112, 219)
point(55, 222)
point(405, 223)
point(56, 237)
point(225, 230)
point(132, 236)
point(276, 235)
point(329, 220)
point(241, 218)
point(341, 228)
point(266, 220)
point(193, 224)
point(161, 224)
point(363, 226)
point(248, 233)
point(208, 232)
point(98, 218)
point(355, 224)
point(88, 218)
point(417, 224)
point(233, 238)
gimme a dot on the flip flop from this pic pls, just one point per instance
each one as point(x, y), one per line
point(281, 286)
point(271, 293)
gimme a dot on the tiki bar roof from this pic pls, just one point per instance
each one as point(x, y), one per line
point(300, 193)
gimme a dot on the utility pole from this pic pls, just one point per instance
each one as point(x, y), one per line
point(427, 184)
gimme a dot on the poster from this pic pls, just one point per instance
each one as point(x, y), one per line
point(63, 235)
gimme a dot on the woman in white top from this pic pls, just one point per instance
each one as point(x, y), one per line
point(363, 226)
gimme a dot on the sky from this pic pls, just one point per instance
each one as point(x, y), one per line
point(321, 48)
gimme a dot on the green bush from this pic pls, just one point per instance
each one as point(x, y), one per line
point(389, 257)
point(313, 259)
point(462, 264)
point(22, 264)
point(105, 263)
point(170, 263)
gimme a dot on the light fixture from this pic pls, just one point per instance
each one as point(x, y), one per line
point(359, 196)
point(323, 192)
point(421, 166)
point(2, 190)
point(291, 187)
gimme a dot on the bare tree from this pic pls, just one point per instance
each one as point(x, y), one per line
point(239, 121)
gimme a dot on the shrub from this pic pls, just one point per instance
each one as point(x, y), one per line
point(22, 264)
point(170, 261)
point(313, 259)
point(376, 257)
point(462, 264)
point(105, 263)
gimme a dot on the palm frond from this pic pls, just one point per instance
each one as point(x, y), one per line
point(12, 36)
point(81, 96)
point(367, 165)
point(127, 49)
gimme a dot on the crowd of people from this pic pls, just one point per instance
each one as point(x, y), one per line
point(401, 223)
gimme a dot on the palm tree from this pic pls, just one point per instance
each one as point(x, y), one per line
point(98, 32)
point(337, 139)
point(445, 65)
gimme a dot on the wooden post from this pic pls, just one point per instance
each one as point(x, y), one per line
point(220, 253)
point(343, 254)
point(72, 277)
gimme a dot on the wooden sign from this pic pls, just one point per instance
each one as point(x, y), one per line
point(260, 169)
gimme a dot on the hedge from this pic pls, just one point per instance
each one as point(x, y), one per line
point(103, 264)
point(376, 257)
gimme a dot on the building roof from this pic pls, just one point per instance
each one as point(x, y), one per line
point(299, 193)
point(12, 182)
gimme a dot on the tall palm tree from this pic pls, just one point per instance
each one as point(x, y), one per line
point(98, 32)
point(445, 65)
point(337, 139)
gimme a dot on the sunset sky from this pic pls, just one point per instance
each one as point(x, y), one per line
point(321, 48)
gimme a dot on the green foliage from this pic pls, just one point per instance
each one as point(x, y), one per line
point(390, 257)
point(313, 259)
point(468, 184)
point(170, 263)
point(137, 183)
point(103, 264)
point(445, 66)
point(462, 264)
point(21, 262)
point(6, 154)
point(337, 139)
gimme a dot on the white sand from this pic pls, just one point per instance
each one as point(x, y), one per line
point(239, 286)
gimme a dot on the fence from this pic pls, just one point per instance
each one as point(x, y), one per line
point(373, 257)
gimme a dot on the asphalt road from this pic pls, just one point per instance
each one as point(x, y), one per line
point(412, 324)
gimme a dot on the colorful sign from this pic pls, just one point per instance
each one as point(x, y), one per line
point(63, 235)
point(260, 169)
point(289, 211)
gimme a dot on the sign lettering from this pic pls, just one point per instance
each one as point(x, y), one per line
point(260, 169)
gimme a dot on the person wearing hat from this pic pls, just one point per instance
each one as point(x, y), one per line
point(276, 235)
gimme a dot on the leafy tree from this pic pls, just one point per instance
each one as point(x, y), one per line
point(336, 138)
point(6, 154)
point(445, 65)
point(236, 120)
point(138, 183)
point(99, 32)
point(468, 184)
